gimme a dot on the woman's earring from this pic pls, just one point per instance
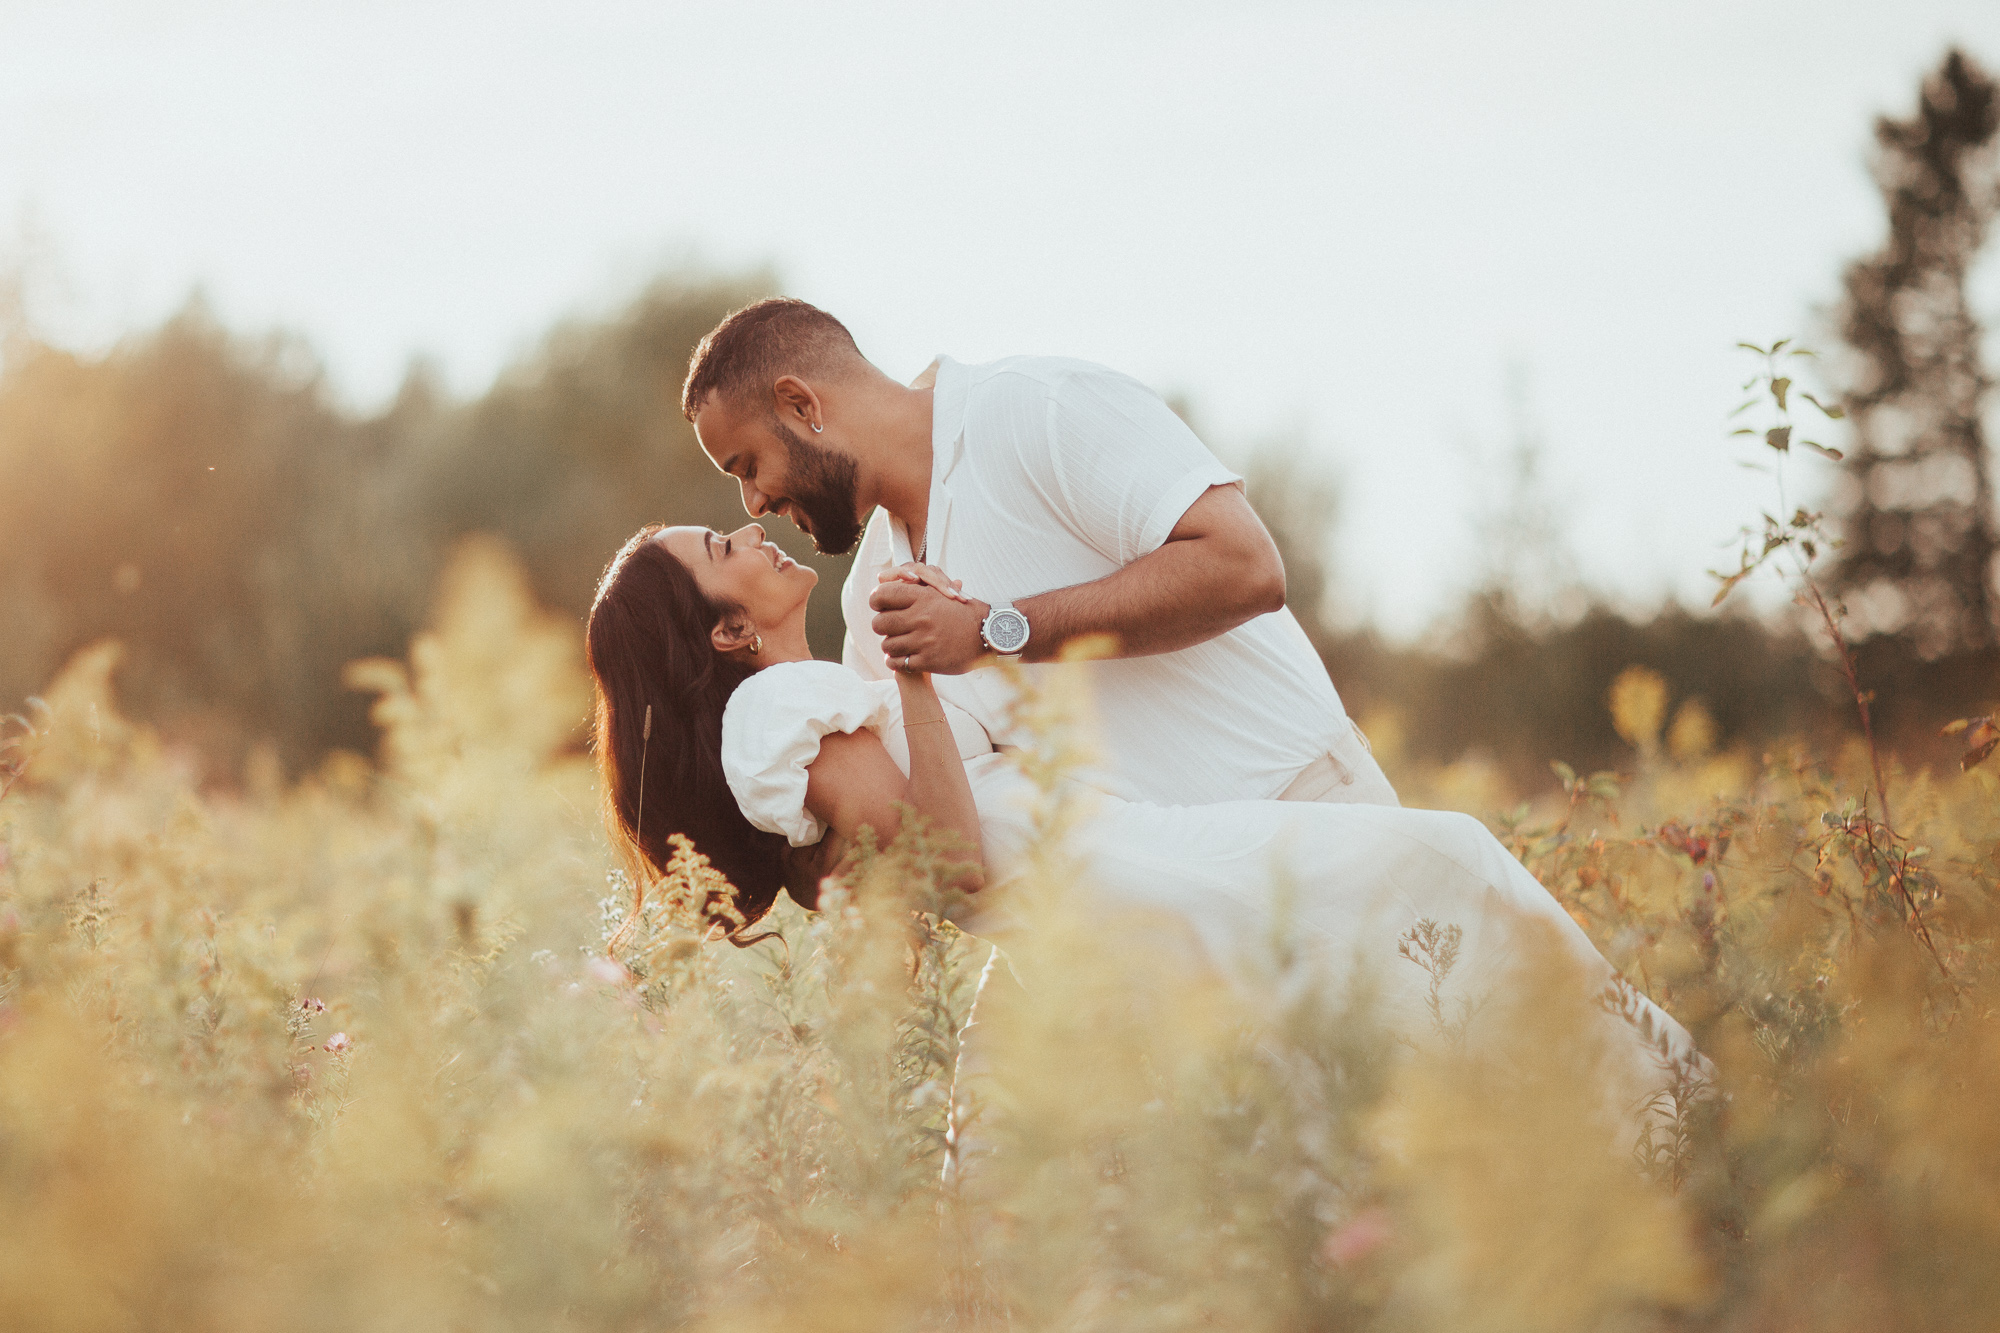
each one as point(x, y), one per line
point(817, 428)
point(756, 645)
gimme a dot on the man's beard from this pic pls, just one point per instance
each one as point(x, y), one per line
point(821, 482)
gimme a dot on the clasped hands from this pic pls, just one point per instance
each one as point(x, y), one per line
point(926, 622)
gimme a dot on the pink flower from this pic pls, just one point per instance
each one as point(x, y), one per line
point(339, 1043)
point(607, 970)
point(311, 1005)
point(1359, 1237)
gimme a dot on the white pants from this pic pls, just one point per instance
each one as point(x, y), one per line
point(1346, 774)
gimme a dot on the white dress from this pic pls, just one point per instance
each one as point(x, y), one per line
point(1357, 878)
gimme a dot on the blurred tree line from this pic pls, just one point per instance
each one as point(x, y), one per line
point(1521, 671)
point(200, 496)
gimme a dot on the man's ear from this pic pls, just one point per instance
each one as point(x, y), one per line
point(797, 403)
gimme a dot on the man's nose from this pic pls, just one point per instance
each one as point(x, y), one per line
point(755, 502)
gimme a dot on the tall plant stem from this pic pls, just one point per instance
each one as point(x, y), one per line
point(1852, 672)
point(1892, 855)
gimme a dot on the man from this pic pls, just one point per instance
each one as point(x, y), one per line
point(1066, 500)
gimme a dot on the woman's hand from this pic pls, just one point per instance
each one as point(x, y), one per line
point(930, 576)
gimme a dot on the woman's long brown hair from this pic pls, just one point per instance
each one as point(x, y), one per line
point(649, 647)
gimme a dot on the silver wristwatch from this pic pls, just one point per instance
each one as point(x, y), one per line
point(1004, 631)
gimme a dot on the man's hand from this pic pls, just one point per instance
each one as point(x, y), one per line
point(923, 629)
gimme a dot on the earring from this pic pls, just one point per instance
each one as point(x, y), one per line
point(817, 428)
point(756, 645)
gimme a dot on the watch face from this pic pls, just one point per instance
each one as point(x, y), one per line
point(1007, 630)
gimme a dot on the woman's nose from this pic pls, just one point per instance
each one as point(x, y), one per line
point(750, 532)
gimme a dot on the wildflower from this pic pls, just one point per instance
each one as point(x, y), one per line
point(312, 1005)
point(1357, 1238)
point(339, 1043)
point(1685, 841)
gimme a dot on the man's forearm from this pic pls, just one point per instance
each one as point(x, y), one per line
point(1173, 598)
point(1216, 570)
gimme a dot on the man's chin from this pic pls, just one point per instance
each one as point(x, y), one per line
point(850, 531)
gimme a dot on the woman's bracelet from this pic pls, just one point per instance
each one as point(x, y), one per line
point(927, 722)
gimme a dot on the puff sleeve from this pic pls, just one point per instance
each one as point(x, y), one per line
point(771, 729)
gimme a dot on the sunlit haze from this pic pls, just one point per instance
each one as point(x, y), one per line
point(1344, 223)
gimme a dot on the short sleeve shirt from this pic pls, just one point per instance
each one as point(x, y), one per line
point(1049, 472)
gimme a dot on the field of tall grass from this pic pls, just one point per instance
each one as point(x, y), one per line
point(387, 1048)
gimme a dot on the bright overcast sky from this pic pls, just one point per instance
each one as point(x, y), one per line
point(1343, 221)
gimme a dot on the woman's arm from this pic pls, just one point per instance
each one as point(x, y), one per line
point(939, 788)
point(854, 783)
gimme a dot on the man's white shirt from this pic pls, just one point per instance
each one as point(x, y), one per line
point(1048, 472)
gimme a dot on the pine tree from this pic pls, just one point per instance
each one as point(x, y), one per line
point(1915, 507)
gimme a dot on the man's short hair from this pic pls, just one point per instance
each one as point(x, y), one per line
point(749, 350)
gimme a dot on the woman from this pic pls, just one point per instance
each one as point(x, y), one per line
point(770, 761)
point(682, 618)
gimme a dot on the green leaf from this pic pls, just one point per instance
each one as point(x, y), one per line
point(1834, 413)
point(1742, 430)
point(1564, 773)
point(1812, 552)
point(1779, 388)
point(1753, 347)
point(1778, 344)
point(1834, 454)
point(1779, 438)
point(1747, 404)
